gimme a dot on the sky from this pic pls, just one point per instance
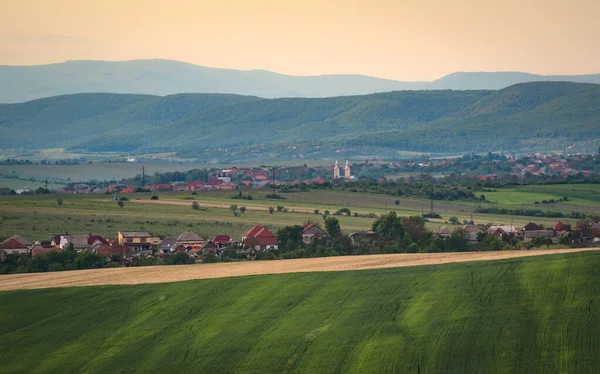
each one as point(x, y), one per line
point(410, 40)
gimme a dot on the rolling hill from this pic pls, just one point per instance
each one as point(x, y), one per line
point(514, 316)
point(167, 77)
point(540, 116)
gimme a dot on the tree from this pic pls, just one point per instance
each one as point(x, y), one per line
point(280, 208)
point(233, 207)
point(453, 220)
point(289, 238)
point(59, 201)
point(415, 227)
point(195, 205)
point(120, 203)
point(271, 210)
point(332, 226)
point(316, 211)
point(397, 202)
point(243, 209)
point(389, 227)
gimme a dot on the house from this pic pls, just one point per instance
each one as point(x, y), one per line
point(502, 231)
point(79, 242)
point(168, 243)
point(39, 249)
point(259, 238)
point(559, 226)
point(114, 251)
point(138, 241)
point(532, 227)
point(222, 241)
point(210, 248)
point(444, 232)
point(188, 242)
point(15, 245)
point(530, 234)
point(472, 232)
point(311, 232)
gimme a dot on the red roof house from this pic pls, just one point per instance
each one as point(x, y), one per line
point(38, 250)
point(222, 240)
point(559, 226)
point(259, 238)
point(15, 244)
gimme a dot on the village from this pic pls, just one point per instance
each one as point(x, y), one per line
point(141, 244)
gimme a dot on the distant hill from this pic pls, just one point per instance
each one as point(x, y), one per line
point(544, 115)
point(166, 77)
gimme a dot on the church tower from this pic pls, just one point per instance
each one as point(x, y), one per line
point(347, 171)
point(336, 171)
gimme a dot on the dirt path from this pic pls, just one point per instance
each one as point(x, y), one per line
point(161, 274)
point(210, 205)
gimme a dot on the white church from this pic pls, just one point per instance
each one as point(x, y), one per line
point(336, 171)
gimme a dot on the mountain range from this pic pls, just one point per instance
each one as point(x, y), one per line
point(527, 116)
point(167, 77)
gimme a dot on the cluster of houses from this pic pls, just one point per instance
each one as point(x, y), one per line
point(132, 244)
point(526, 233)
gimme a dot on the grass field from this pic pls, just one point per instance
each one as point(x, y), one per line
point(522, 315)
point(39, 217)
point(63, 174)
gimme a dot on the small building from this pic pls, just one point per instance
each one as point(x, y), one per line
point(503, 231)
point(222, 241)
point(311, 232)
point(530, 234)
point(472, 232)
point(138, 241)
point(188, 242)
point(15, 245)
point(39, 249)
point(444, 232)
point(531, 226)
point(559, 226)
point(259, 238)
point(114, 251)
point(167, 244)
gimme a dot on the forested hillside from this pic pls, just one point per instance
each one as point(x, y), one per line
point(530, 116)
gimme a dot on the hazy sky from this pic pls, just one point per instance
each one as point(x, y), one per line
point(397, 39)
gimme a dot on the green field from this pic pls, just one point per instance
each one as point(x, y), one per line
point(64, 174)
point(534, 314)
point(579, 195)
point(39, 217)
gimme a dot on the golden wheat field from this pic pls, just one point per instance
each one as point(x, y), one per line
point(162, 274)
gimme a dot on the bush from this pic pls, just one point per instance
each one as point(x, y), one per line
point(195, 205)
point(120, 203)
point(123, 198)
point(59, 202)
point(266, 255)
point(453, 220)
point(271, 210)
point(243, 209)
point(154, 197)
point(432, 215)
point(280, 208)
point(316, 211)
point(179, 259)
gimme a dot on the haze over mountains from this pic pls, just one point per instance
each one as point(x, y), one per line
point(166, 77)
point(529, 116)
